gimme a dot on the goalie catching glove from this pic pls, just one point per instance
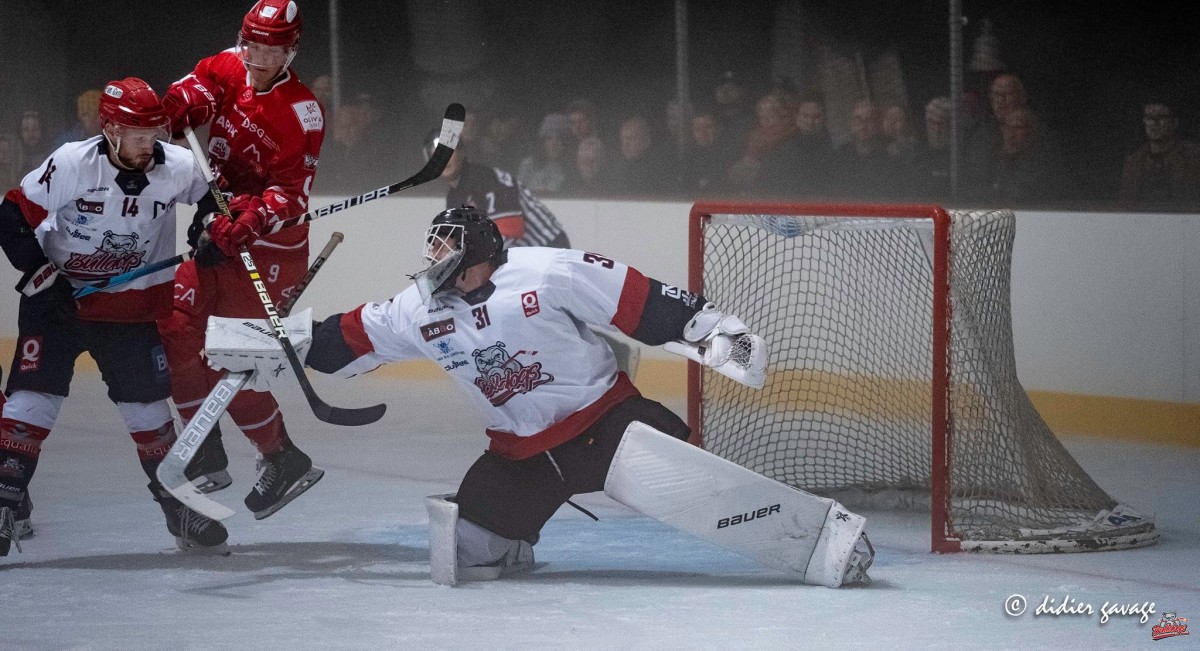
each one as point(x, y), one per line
point(250, 345)
point(723, 343)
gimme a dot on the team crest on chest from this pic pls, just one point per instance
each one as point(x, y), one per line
point(117, 253)
point(502, 376)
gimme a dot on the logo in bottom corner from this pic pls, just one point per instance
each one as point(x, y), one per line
point(1171, 625)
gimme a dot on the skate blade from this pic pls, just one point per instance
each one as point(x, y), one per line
point(192, 549)
point(212, 482)
point(304, 483)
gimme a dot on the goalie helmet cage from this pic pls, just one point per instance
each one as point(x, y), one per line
point(893, 379)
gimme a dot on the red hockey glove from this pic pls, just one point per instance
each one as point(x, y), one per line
point(251, 217)
point(189, 102)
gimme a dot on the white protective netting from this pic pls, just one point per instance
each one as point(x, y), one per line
point(845, 305)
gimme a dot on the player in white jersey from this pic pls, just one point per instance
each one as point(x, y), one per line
point(95, 209)
point(510, 327)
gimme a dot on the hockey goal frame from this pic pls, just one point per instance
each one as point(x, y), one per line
point(943, 537)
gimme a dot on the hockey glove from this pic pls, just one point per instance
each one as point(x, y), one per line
point(207, 252)
point(189, 103)
point(251, 217)
point(237, 345)
point(723, 343)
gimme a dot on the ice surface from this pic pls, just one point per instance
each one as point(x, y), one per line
point(345, 566)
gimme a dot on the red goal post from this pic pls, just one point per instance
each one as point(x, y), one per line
point(893, 379)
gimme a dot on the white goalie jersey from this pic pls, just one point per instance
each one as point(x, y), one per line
point(519, 346)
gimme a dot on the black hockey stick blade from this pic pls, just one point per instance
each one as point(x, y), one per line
point(350, 417)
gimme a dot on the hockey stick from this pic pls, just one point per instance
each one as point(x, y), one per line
point(321, 409)
point(452, 126)
point(172, 471)
point(120, 279)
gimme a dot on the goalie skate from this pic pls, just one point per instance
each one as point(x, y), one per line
point(860, 561)
point(282, 477)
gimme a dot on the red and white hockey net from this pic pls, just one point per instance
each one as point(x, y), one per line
point(892, 377)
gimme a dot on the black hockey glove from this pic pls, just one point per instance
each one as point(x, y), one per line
point(56, 301)
point(208, 254)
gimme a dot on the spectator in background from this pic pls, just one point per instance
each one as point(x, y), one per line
point(729, 103)
point(774, 126)
point(545, 171)
point(898, 132)
point(591, 174)
point(11, 168)
point(581, 114)
point(932, 164)
point(640, 169)
point(1164, 170)
point(706, 167)
point(343, 158)
point(800, 165)
point(1028, 169)
point(863, 168)
point(322, 89)
point(900, 145)
point(87, 111)
point(33, 145)
point(1006, 93)
point(502, 141)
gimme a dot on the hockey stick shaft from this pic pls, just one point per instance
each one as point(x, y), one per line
point(172, 472)
point(121, 279)
point(452, 125)
point(321, 409)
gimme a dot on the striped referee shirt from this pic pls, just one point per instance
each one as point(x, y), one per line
point(501, 196)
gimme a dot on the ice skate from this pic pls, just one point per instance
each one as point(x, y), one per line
point(8, 533)
point(193, 532)
point(22, 523)
point(860, 560)
point(282, 477)
point(207, 469)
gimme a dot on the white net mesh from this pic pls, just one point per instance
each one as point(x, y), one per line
point(845, 305)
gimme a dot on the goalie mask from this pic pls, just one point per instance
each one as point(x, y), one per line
point(457, 240)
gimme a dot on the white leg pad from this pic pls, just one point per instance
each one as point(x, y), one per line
point(460, 550)
point(809, 537)
point(443, 539)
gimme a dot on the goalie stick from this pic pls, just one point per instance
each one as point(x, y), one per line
point(320, 409)
point(172, 471)
point(452, 125)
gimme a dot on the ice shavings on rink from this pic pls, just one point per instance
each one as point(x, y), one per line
point(345, 566)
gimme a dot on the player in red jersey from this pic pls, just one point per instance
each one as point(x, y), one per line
point(265, 135)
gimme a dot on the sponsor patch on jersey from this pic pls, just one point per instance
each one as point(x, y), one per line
point(529, 303)
point(309, 114)
point(218, 148)
point(92, 207)
point(31, 354)
point(310, 162)
point(431, 331)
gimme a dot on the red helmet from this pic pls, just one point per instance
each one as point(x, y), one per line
point(272, 22)
point(131, 102)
